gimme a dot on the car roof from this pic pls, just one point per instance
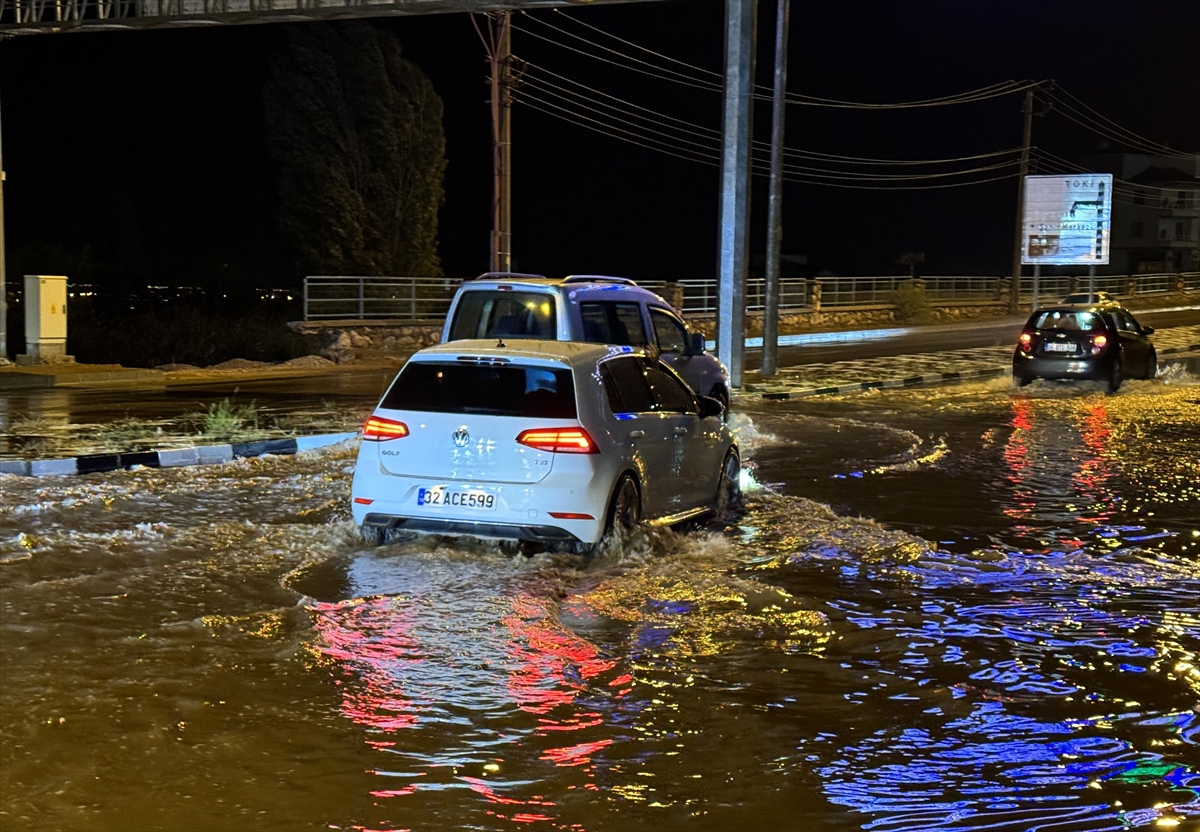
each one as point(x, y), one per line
point(489, 279)
point(1097, 308)
point(572, 353)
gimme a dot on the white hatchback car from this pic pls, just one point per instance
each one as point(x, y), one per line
point(552, 441)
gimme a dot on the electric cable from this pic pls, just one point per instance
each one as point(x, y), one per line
point(713, 134)
point(984, 93)
point(758, 168)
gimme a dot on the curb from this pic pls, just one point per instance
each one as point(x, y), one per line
point(912, 381)
point(173, 458)
point(929, 380)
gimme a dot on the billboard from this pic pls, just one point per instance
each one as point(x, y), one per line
point(1066, 219)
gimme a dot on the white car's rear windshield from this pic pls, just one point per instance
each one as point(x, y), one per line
point(497, 390)
point(504, 314)
point(1069, 321)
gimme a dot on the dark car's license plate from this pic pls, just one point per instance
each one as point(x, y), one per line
point(1058, 346)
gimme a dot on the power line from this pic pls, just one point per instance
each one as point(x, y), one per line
point(712, 135)
point(675, 76)
point(712, 159)
point(1160, 149)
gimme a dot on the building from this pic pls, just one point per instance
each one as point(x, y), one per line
point(1155, 212)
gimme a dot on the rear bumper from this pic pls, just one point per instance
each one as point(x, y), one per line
point(1083, 369)
point(500, 531)
point(521, 510)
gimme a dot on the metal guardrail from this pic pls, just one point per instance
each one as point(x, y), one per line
point(700, 296)
point(428, 298)
point(367, 298)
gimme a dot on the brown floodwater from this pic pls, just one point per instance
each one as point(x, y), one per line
point(967, 608)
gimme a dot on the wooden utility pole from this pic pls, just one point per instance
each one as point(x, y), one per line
point(3, 267)
point(500, 56)
point(1014, 295)
point(770, 329)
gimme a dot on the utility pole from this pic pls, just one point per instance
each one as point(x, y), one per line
point(3, 265)
point(498, 47)
point(1014, 295)
point(770, 325)
point(500, 56)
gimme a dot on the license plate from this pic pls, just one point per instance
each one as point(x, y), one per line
point(1058, 346)
point(442, 497)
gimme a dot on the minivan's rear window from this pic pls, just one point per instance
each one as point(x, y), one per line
point(497, 390)
point(504, 314)
point(1068, 321)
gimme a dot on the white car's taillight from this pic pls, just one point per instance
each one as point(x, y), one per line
point(379, 429)
point(559, 440)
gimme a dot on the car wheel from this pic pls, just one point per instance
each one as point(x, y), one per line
point(1152, 364)
point(1114, 376)
point(1020, 380)
point(729, 502)
point(626, 510)
point(372, 535)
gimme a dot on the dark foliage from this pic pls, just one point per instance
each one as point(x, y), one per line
point(183, 336)
point(356, 133)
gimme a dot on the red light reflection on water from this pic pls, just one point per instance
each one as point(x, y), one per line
point(370, 637)
point(1016, 458)
point(1094, 469)
point(547, 656)
point(1047, 461)
point(544, 669)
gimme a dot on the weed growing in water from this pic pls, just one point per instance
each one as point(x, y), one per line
point(225, 419)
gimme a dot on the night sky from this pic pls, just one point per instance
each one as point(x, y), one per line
point(152, 141)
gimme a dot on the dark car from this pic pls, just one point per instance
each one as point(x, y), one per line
point(1097, 343)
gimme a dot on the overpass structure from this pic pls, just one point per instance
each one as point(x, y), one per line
point(24, 17)
point(28, 17)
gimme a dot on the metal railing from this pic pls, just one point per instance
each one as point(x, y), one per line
point(1053, 287)
point(700, 296)
point(367, 298)
point(428, 298)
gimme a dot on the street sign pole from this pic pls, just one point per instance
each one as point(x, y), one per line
point(735, 185)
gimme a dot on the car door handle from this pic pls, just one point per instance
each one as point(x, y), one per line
point(636, 434)
point(679, 431)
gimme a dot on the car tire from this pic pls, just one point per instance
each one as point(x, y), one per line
point(1020, 380)
point(625, 508)
point(1114, 376)
point(1152, 364)
point(729, 500)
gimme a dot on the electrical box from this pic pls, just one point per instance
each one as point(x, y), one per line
point(45, 314)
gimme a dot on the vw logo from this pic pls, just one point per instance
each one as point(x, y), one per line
point(461, 437)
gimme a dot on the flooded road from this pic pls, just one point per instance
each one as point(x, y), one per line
point(962, 608)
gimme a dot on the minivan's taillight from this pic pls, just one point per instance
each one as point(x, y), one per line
point(559, 440)
point(380, 429)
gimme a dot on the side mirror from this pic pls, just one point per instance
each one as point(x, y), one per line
point(710, 407)
point(1147, 330)
point(695, 345)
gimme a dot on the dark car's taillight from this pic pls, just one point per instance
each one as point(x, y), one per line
point(1025, 342)
point(1099, 342)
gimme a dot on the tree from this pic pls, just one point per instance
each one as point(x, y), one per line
point(356, 133)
